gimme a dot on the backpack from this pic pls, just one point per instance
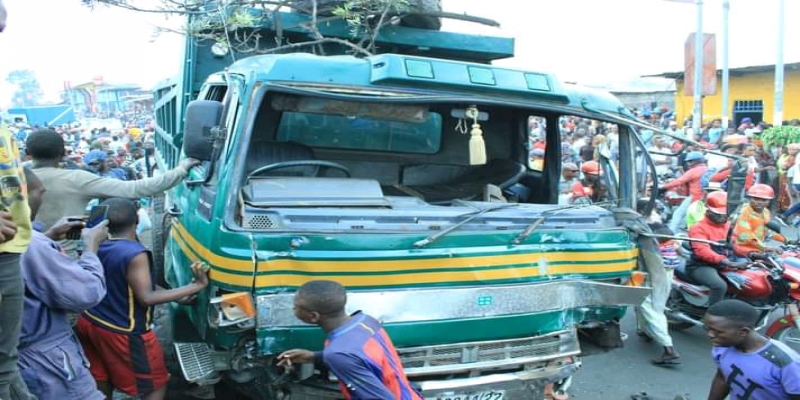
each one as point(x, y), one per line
point(706, 177)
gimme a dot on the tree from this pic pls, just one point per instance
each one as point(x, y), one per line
point(28, 92)
point(233, 24)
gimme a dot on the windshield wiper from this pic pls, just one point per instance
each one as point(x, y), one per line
point(547, 214)
point(470, 216)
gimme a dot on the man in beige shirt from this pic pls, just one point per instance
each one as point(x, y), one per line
point(70, 190)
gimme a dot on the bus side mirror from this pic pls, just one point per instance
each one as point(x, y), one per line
point(203, 117)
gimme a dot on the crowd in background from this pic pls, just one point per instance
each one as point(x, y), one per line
point(121, 154)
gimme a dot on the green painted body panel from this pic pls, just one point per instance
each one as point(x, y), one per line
point(430, 333)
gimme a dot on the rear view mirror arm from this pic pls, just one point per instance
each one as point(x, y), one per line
point(217, 139)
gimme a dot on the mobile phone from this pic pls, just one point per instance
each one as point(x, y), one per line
point(97, 215)
point(74, 233)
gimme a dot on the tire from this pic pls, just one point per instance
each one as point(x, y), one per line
point(224, 390)
point(790, 336)
point(258, 389)
point(159, 234)
point(162, 327)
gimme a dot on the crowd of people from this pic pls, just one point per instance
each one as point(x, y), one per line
point(700, 170)
point(93, 276)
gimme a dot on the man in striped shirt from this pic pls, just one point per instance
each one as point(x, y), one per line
point(357, 350)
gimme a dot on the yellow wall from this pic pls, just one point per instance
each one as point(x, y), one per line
point(756, 86)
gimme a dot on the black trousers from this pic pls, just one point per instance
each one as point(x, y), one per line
point(709, 276)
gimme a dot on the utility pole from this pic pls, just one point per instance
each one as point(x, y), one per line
point(777, 113)
point(726, 105)
point(697, 110)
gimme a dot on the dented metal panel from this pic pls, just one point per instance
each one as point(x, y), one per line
point(393, 306)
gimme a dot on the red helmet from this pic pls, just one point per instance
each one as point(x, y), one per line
point(591, 167)
point(717, 202)
point(761, 191)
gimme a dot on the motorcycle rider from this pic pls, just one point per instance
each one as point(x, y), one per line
point(750, 232)
point(697, 210)
point(590, 189)
point(692, 178)
point(707, 260)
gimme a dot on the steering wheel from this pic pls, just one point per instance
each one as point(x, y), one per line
point(320, 165)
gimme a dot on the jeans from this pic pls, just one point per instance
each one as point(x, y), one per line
point(13, 291)
point(709, 276)
point(794, 209)
point(678, 220)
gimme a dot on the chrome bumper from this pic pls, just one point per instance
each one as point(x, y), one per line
point(415, 305)
point(525, 385)
point(474, 358)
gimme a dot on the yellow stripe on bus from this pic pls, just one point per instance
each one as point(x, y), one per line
point(178, 232)
point(444, 276)
point(355, 266)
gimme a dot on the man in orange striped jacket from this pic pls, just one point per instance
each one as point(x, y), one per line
point(750, 233)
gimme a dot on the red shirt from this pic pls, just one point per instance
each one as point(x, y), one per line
point(692, 177)
point(705, 229)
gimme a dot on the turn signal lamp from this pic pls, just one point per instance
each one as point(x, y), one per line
point(234, 308)
point(794, 285)
point(637, 278)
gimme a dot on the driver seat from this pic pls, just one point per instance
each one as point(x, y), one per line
point(261, 153)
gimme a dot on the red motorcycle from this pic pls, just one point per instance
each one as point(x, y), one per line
point(787, 328)
point(768, 284)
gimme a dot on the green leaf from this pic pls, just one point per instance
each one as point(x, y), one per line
point(780, 136)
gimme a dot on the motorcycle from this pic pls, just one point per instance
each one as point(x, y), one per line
point(767, 284)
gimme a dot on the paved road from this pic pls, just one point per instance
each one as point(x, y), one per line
point(618, 374)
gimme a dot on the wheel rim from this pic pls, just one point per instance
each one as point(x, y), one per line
point(789, 336)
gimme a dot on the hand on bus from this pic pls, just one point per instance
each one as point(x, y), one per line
point(200, 274)
point(189, 163)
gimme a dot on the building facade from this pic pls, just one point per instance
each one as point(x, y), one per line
point(647, 100)
point(91, 99)
point(751, 94)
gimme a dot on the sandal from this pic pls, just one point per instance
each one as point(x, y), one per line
point(667, 362)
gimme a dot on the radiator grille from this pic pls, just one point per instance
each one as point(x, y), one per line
point(195, 360)
point(420, 360)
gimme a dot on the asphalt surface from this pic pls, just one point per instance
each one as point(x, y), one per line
point(620, 373)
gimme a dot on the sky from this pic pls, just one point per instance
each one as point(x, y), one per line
point(593, 42)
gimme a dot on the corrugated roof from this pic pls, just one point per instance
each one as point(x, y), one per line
point(733, 71)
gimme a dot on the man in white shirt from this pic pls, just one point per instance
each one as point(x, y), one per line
point(569, 175)
point(662, 162)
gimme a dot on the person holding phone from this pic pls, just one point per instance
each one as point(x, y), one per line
point(50, 356)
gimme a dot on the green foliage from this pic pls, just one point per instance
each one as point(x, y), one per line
point(780, 136)
point(357, 12)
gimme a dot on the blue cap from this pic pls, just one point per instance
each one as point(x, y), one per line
point(694, 156)
point(95, 155)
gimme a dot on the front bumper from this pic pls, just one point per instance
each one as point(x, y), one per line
point(416, 304)
point(529, 384)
